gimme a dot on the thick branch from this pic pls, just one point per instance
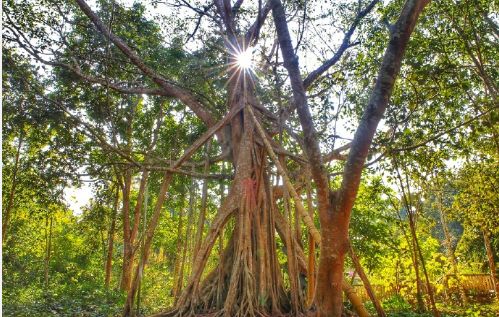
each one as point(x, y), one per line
point(253, 32)
point(378, 101)
point(300, 100)
point(170, 89)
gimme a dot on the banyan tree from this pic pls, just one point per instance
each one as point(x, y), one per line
point(266, 201)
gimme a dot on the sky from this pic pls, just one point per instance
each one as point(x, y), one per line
point(77, 198)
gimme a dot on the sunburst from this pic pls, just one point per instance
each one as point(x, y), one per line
point(242, 65)
point(244, 59)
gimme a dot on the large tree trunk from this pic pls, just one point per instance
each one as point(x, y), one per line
point(252, 279)
point(251, 252)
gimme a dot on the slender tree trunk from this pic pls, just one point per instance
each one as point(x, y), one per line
point(127, 243)
point(417, 254)
point(415, 260)
point(138, 207)
point(185, 247)
point(151, 228)
point(130, 232)
point(415, 263)
point(492, 264)
point(367, 284)
point(180, 275)
point(48, 247)
point(412, 222)
point(178, 257)
point(110, 243)
point(431, 295)
point(204, 200)
point(144, 217)
point(10, 204)
point(220, 280)
point(450, 251)
point(311, 250)
point(292, 268)
point(297, 222)
point(417, 251)
point(355, 300)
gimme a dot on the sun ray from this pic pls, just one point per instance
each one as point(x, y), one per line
point(244, 59)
